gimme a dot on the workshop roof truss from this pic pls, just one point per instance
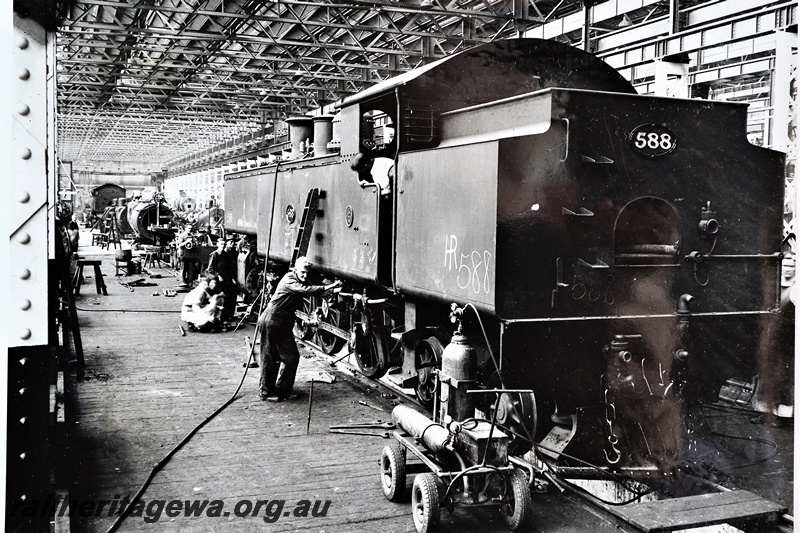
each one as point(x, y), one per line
point(147, 81)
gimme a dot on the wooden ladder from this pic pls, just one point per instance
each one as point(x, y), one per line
point(306, 224)
point(112, 231)
point(68, 316)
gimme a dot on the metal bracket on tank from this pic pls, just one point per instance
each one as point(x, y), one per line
point(566, 140)
point(599, 264)
point(602, 160)
point(582, 212)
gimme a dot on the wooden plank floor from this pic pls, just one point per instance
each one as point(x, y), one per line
point(145, 387)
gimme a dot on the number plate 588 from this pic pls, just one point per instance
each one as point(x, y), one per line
point(652, 140)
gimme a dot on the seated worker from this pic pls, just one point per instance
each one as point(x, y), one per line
point(202, 307)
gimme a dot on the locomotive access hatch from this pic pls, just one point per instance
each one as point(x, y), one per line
point(731, 507)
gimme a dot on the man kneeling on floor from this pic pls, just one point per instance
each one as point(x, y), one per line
point(202, 307)
point(277, 340)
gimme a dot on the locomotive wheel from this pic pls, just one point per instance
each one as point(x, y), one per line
point(328, 342)
point(425, 502)
point(516, 413)
point(393, 471)
point(253, 282)
point(371, 353)
point(429, 353)
point(518, 512)
point(300, 330)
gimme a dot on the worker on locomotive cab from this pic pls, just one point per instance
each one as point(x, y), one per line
point(222, 263)
point(277, 340)
point(373, 170)
point(202, 307)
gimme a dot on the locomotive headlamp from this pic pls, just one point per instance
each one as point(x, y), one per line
point(708, 226)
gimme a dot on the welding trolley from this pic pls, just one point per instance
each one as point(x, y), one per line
point(464, 460)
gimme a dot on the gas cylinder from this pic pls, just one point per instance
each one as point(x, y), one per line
point(457, 376)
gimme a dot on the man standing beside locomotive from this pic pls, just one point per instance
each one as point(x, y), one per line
point(277, 339)
point(222, 263)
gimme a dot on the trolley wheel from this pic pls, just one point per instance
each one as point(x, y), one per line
point(519, 512)
point(393, 471)
point(425, 502)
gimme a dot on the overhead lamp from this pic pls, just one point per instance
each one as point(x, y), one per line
point(625, 22)
point(426, 3)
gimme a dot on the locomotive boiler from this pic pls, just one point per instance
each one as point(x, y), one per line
point(615, 253)
point(151, 220)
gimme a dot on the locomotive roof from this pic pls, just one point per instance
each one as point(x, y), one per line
point(501, 69)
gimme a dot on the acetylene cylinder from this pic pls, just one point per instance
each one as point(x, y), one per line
point(457, 376)
point(435, 437)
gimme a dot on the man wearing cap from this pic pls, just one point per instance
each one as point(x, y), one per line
point(277, 340)
point(222, 263)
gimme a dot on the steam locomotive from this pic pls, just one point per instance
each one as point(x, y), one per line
point(614, 254)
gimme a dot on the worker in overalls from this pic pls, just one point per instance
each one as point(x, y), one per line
point(277, 340)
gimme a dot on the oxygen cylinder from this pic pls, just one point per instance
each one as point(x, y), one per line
point(435, 437)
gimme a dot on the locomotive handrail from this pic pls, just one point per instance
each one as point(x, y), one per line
point(359, 296)
point(628, 317)
point(776, 255)
point(669, 249)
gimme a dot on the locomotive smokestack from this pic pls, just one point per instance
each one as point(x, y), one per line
point(323, 133)
point(300, 131)
point(336, 144)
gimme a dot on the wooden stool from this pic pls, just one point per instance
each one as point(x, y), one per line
point(98, 276)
